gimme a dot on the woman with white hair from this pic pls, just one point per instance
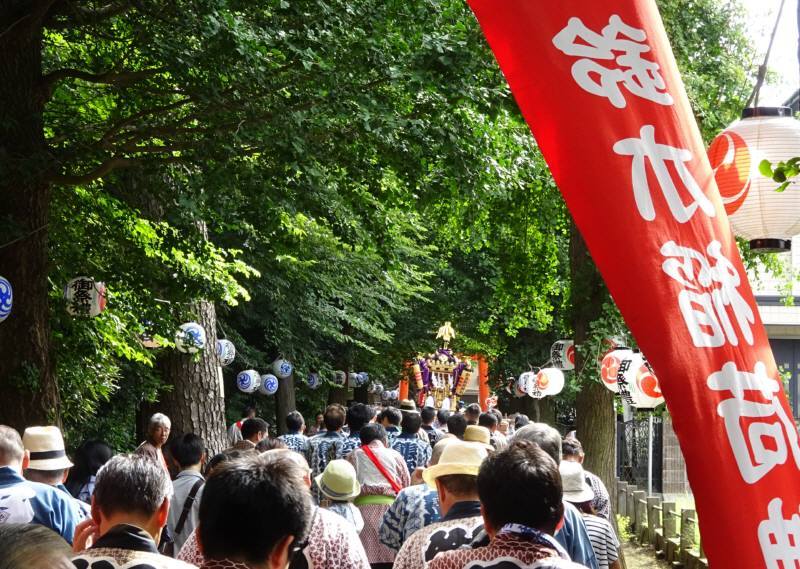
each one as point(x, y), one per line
point(157, 434)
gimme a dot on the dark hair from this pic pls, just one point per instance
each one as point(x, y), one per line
point(222, 458)
point(372, 432)
point(428, 414)
point(520, 421)
point(131, 483)
point(49, 477)
point(391, 414)
point(244, 490)
point(249, 409)
point(253, 426)
point(334, 417)
point(459, 484)
point(521, 485)
point(457, 424)
point(187, 450)
point(23, 546)
point(487, 420)
point(89, 457)
point(294, 422)
point(442, 415)
point(472, 412)
point(359, 415)
point(571, 447)
point(270, 443)
point(585, 507)
point(411, 423)
point(496, 412)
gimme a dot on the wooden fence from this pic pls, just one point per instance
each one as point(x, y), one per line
point(671, 533)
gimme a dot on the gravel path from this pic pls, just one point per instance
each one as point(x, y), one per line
point(641, 557)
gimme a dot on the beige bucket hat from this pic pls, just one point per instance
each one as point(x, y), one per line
point(46, 448)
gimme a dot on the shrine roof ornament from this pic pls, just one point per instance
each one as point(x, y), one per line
point(446, 333)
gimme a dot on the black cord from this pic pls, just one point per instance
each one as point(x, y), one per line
point(762, 69)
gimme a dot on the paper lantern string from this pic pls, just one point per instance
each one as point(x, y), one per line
point(22, 237)
point(762, 69)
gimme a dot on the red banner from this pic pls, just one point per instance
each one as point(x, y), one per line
point(599, 87)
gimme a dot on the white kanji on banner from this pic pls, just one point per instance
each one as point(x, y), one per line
point(779, 538)
point(618, 43)
point(646, 149)
point(754, 458)
point(709, 291)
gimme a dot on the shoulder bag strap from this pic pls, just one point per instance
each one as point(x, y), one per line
point(187, 506)
point(382, 469)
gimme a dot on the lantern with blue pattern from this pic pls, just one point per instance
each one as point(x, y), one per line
point(190, 338)
point(226, 352)
point(282, 368)
point(313, 380)
point(248, 381)
point(6, 298)
point(269, 384)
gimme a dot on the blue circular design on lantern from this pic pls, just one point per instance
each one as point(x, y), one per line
point(313, 380)
point(362, 378)
point(226, 352)
point(269, 384)
point(248, 381)
point(6, 298)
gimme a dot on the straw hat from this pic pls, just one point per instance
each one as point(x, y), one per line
point(573, 482)
point(338, 481)
point(459, 457)
point(408, 405)
point(480, 435)
point(46, 447)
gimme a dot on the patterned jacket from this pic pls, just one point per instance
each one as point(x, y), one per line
point(297, 442)
point(414, 508)
point(415, 452)
point(125, 546)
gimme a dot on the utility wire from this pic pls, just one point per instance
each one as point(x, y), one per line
point(762, 69)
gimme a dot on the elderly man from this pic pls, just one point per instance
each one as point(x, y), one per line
point(456, 481)
point(157, 435)
point(129, 510)
point(22, 501)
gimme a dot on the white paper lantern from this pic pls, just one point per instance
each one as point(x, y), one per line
point(226, 352)
point(562, 354)
point(339, 378)
point(524, 384)
point(386, 395)
point(248, 381)
point(352, 379)
point(549, 381)
point(768, 219)
point(282, 368)
point(269, 384)
point(313, 380)
point(376, 389)
point(85, 296)
point(395, 394)
point(190, 338)
point(640, 387)
point(609, 367)
point(6, 298)
point(362, 378)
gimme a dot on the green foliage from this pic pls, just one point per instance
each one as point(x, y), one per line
point(781, 172)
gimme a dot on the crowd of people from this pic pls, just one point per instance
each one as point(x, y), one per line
point(379, 488)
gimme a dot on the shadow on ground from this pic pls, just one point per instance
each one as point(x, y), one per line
point(637, 557)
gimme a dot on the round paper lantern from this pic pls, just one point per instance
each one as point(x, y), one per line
point(386, 395)
point(395, 394)
point(609, 367)
point(768, 219)
point(562, 353)
point(6, 298)
point(190, 338)
point(226, 352)
point(362, 378)
point(282, 368)
point(550, 381)
point(313, 380)
point(352, 379)
point(339, 378)
point(640, 387)
point(248, 381)
point(376, 389)
point(269, 384)
point(85, 296)
point(524, 384)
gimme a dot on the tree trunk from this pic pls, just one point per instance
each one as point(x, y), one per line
point(285, 402)
point(194, 402)
point(594, 409)
point(28, 388)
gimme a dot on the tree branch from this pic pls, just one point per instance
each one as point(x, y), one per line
point(78, 15)
point(103, 169)
point(107, 78)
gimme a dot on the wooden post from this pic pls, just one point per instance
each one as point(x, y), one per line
point(653, 517)
point(630, 506)
point(670, 531)
point(622, 498)
point(640, 501)
point(688, 522)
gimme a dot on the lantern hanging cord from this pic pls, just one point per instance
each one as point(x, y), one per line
point(22, 237)
point(762, 69)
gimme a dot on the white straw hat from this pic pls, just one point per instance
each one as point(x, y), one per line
point(573, 482)
point(338, 481)
point(46, 447)
point(480, 435)
point(458, 457)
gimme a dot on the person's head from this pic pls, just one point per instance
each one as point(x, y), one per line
point(573, 483)
point(334, 417)
point(543, 435)
point(520, 485)
point(441, 417)
point(88, 459)
point(270, 443)
point(254, 429)
point(496, 412)
point(488, 420)
point(372, 432)
point(502, 426)
point(48, 462)
point(319, 419)
point(471, 413)
point(244, 490)
point(572, 449)
point(189, 451)
point(390, 417)
point(411, 423)
point(26, 546)
point(428, 416)
point(132, 489)
point(456, 425)
point(249, 412)
point(520, 421)
point(158, 428)
point(455, 475)
point(12, 453)
point(295, 422)
point(359, 415)
point(221, 458)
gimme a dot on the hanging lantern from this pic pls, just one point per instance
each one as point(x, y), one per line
point(491, 402)
point(352, 379)
point(638, 384)
point(562, 354)
point(190, 338)
point(758, 213)
point(362, 378)
point(269, 384)
point(313, 380)
point(609, 367)
point(376, 389)
point(6, 298)
point(386, 395)
point(524, 384)
point(282, 368)
point(226, 352)
point(549, 381)
point(85, 296)
point(339, 378)
point(395, 394)
point(248, 381)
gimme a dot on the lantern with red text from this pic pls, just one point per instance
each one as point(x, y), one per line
point(638, 385)
point(609, 367)
point(757, 212)
point(524, 384)
point(562, 354)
